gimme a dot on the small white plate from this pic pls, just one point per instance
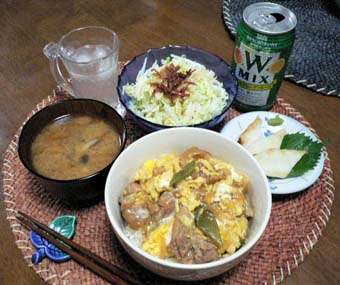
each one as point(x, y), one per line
point(234, 128)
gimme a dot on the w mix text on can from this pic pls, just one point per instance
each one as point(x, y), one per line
point(265, 37)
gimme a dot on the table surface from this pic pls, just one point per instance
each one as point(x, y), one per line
point(25, 79)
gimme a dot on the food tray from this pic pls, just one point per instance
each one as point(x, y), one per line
point(295, 225)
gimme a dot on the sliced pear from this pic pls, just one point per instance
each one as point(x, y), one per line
point(272, 141)
point(252, 132)
point(279, 162)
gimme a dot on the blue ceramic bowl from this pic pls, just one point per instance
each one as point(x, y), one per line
point(209, 60)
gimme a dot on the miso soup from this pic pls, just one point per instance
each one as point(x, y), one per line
point(74, 147)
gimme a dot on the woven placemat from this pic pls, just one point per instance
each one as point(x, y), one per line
point(315, 61)
point(295, 225)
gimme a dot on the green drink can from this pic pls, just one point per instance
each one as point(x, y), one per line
point(265, 37)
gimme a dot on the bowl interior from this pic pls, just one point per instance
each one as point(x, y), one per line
point(179, 139)
point(209, 60)
point(59, 110)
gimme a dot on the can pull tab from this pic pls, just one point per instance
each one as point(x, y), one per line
point(278, 17)
point(264, 19)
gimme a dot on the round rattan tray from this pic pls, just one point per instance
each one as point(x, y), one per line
point(296, 223)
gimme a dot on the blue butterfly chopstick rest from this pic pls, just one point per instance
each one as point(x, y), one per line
point(64, 225)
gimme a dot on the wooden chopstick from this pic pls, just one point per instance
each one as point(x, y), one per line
point(113, 268)
point(100, 266)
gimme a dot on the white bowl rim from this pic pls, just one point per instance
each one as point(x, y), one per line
point(244, 249)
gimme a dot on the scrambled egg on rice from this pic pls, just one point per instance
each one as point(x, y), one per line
point(214, 183)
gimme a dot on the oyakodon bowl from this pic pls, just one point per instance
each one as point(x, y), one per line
point(177, 140)
point(210, 61)
point(80, 191)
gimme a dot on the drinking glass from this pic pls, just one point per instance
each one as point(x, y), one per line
point(90, 56)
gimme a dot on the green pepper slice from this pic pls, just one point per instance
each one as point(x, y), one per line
point(184, 173)
point(205, 220)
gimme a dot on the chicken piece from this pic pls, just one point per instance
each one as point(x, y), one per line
point(186, 245)
point(136, 216)
point(163, 207)
point(132, 188)
point(128, 198)
point(204, 251)
point(167, 203)
point(193, 153)
point(211, 175)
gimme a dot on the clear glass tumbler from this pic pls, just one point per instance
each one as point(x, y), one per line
point(90, 55)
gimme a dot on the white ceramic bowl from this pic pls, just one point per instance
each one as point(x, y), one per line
point(166, 141)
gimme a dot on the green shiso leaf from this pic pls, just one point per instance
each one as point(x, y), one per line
point(308, 161)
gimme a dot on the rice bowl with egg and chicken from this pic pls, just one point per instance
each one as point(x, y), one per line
point(189, 208)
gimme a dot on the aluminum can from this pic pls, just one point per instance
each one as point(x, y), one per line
point(265, 37)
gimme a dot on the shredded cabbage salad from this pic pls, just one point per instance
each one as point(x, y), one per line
point(206, 100)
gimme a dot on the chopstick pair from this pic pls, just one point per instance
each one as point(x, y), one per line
point(83, 256)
